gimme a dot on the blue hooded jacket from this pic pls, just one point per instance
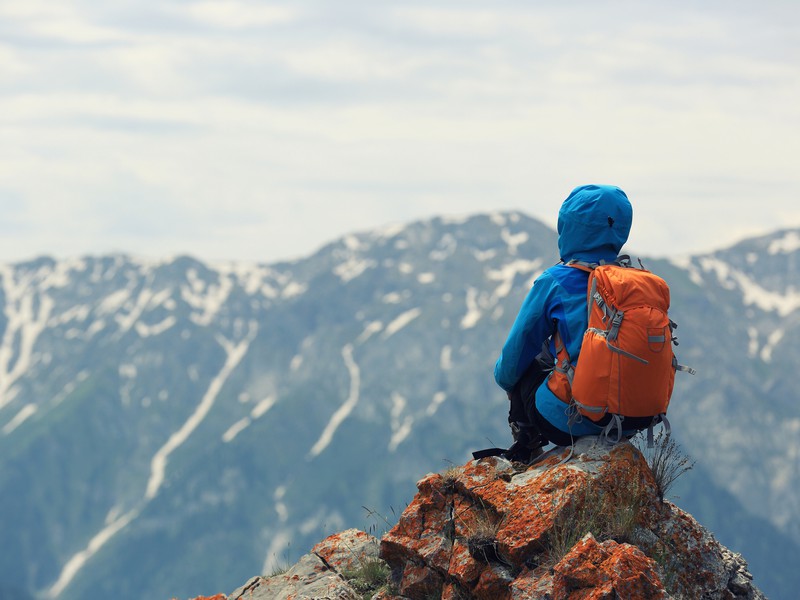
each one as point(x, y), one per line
point(593, 225)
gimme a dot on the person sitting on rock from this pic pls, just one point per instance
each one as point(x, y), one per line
point(593, 224)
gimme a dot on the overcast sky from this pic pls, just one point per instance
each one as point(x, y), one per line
point(250, 130)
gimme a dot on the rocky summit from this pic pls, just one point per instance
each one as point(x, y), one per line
point(587, 524)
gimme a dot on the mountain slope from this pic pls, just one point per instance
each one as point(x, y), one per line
point(187, 425)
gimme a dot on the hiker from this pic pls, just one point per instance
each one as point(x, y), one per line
point(593, 225)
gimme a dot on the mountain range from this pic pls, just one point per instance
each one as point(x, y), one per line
point(170, 428)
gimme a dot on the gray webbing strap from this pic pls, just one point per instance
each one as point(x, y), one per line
point(616, 321)
point(569, 456)
point(567, 369)
point(662, 418)
point(667, 427)
point(683, 368)
point(573, 415)
point(583, 263)
point(650, 441)
point(591, 409)
point(614, 423)
point(623, 353)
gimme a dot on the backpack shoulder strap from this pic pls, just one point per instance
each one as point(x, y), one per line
point(582, 265)
point(623, 260)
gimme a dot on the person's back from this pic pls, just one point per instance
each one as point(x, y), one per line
point(593, 225)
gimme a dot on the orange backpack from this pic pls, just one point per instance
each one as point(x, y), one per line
point(626, 369)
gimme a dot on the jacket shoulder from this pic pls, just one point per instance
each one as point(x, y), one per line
point(570, 278)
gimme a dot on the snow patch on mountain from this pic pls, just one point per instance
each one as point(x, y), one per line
point(507, 275)
point(752, 293)
point(752, 346)
point(23, 327)
point(498, 219)
point(23, 415)
point(206, 298)
point(484, 255)
point(790, 242)
point(251, 277)
point(258, 411)
point(235, 429)
point(150, 330)
point(513, 240)
point(352, 268)
point(436, 402)
point(112, 303)
point(401, 425)
point(469, 320)
point(78, 313)
point(293, 289)
point(280, 506)
point(70, 387)
point(444, 249)
point(158, 465)
point(296, 362)
point(345, 409)
point(392, 298)
point(125, 322)
point(774, 338)
point(687, 264)
point(446, 358)
point(401, 321)
point(370, 329)
point(78, 560)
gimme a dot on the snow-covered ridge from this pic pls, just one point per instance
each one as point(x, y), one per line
point(790, 242)
point(731, 278)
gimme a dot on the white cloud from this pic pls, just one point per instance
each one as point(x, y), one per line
point(239, 129)
point(234, 14)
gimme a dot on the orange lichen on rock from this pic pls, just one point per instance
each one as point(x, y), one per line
point(491, 529)
point(347, 551)
point(607, 570)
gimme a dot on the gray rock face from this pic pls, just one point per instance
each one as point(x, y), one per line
point(318, 575)
point(309, 579)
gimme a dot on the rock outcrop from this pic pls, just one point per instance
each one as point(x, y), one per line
point(591, 527)
point(338, 568)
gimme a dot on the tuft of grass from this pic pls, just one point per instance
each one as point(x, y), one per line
point(482, 538)
point(449, 478)
point(278, 570)
point(281, 564)
point(371, 576)
point(608, 509)
point(380, 523)
point(666, 460)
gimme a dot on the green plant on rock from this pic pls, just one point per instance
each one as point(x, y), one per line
point(371, 576)
point(668, 567)
point(449, 479)
point(609, 509)
point(380, 523)
point(482, 537)
point(666, 460)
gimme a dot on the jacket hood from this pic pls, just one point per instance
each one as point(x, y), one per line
point(594, 223)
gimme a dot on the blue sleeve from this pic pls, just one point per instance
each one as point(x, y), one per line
point(531, 328)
